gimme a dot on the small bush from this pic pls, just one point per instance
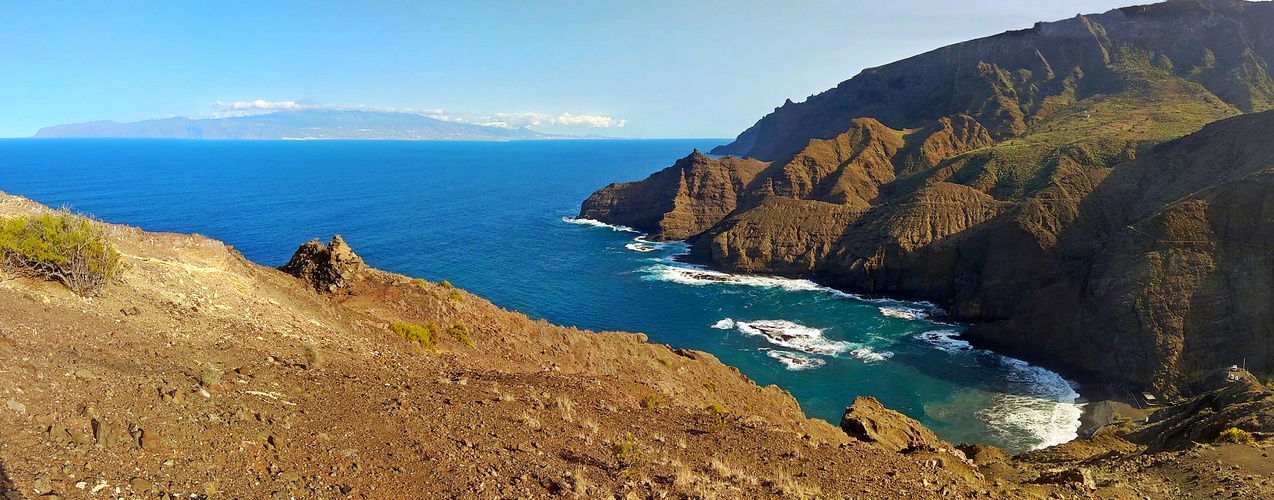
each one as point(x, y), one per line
point(446, 284)
point(455, 296)
point(426, 336)
point(710, 386)
point(62, 247)
point(313, 358)
point(717, 424)
point(626, 451)
point(419, 282)
point(654, 400)
point(715, 409)
point(460, 332)
point(1235, 435)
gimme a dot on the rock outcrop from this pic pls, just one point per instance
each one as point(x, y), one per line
point(328, 267)
point(1239, 402)
point(870, 422)
point(1031, 183)
point(679, 201)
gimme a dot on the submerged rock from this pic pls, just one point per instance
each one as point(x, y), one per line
point(327, 268)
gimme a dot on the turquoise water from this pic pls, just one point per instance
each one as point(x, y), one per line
point(495, 219)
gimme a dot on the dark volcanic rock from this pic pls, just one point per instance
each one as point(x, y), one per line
point(870, 422)
point(1240, 401)
point(325, 267)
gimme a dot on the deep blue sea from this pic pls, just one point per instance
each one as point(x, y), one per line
point(494, 218)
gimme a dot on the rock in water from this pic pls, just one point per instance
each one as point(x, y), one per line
point(869, 421)
point(327, 268)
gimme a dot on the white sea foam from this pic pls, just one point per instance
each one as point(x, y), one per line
point(688, 275)
point(793, 336)
point(945, 340)
point(900, 312)
point(869, 355)
point(639, 247)
point(796, 361)
point(725, 324)
point(1040, 405)
point(597, 223)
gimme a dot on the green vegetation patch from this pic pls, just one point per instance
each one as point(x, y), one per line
point(626, 451)
point(62, 247)
point(1235, 435)
point(654, 400)
point(426, 336)
point(460, 332)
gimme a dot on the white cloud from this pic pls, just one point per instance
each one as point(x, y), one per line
point(503, 120)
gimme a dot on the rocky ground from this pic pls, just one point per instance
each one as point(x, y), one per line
point(202, 375)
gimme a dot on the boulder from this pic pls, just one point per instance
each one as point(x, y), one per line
point(326, 268)
point(869, 421)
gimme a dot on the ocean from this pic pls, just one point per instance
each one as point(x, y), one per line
point(496, 218)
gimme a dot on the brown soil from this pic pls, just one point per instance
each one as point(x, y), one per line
point(202, 375)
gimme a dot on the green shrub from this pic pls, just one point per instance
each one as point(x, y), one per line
point(710, 386)
point(1235, 435)
point(715, 409)
point(654, 400)
point(626, 451)
point(419, 282)
point(460, 332)
point(455, 296)
point(446, 284)
point(717, 424)
point(62, 247)
point(426, 336)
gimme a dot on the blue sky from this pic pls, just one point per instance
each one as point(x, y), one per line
point(661, 68)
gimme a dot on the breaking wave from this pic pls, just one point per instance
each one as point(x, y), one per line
point(795, 361)
point(597, 223)
point(1038, 411)
point(945, 340)
point(907, 313)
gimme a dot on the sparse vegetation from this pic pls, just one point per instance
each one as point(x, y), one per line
point(460, 332)
point(529, 420)
point(419, 282)
point(715, 409)
point(1235, 435)
point(426, 336)
point(209, 374)
point(567, 407)
point(313, 358)
point(62, 247)
point(455, 296)
point(626, 451)
point(654, 400)
point(446, 284)
point(717, 424)
point(710, 386)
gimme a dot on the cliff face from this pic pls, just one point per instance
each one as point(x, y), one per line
point(1016, 80)
point(677, 202)
point(1060, 186)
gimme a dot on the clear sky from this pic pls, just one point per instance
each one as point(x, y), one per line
point(661, 68)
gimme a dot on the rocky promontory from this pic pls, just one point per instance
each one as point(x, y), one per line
point(1084, 191)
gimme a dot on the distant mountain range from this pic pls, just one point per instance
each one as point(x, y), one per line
point(303, 124)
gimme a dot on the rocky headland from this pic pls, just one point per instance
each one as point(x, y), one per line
point(1091, 194)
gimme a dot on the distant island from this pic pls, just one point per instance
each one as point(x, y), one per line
point(302, 124)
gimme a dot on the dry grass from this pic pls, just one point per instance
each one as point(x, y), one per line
point(566, 407)
point(529, 420)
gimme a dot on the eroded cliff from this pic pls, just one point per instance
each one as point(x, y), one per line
point(1059, 186)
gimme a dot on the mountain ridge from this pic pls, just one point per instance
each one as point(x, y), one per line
point(301, 124)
